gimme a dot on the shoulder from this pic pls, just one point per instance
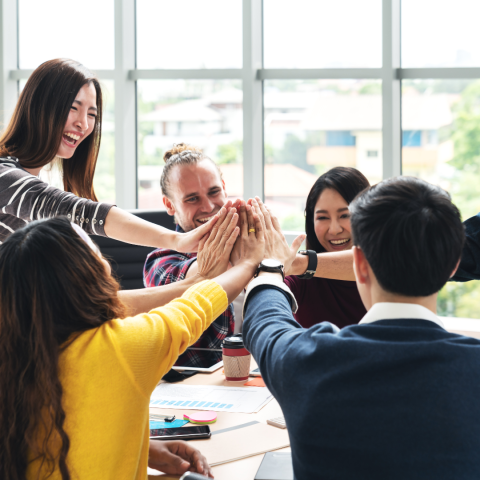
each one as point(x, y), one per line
point(11, 164)
point(164, 266)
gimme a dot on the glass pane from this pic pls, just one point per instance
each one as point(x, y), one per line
point(322, 33)
point(441, 144)
point(203, 113)
point(104, 179)
point(82, 32)
point(440, 34)
point(189, 34)
point(312, 126)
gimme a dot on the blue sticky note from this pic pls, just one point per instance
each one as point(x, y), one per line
point(175, 424)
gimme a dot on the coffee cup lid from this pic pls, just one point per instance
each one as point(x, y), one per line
point(236, 341)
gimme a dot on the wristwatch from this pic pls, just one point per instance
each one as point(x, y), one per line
point(270, 265)
point(312, 264)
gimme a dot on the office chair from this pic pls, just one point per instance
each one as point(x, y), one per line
point(127, 260)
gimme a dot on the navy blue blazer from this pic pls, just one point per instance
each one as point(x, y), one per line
point(469, 268)
point(393, 399)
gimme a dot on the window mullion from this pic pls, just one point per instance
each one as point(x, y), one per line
point(253, 171)
point(8, 59)
point(391, 90)
point(125, 106)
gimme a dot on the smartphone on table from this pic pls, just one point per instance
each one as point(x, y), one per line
point(255, 373)
point(182, 433)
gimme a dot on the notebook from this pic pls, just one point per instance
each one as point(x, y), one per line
point(276, 466)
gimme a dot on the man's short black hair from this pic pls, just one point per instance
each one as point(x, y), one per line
point(410, 233)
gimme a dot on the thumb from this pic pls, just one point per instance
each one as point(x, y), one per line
point(297, 242)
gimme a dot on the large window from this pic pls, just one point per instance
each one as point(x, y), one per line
point(62, 34)
point(312, 126)
point(202, 113)
point(275, 91)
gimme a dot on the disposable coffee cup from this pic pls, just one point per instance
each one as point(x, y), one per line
point(236, 359)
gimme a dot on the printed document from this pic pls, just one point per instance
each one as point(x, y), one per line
point(215, 398)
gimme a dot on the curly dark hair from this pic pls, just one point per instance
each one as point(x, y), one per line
point(52, 285)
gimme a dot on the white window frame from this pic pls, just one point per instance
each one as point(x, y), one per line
point(125, 76)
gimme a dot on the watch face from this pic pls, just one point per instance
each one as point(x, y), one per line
point(268, 262)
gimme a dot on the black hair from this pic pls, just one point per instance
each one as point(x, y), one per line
point(410, 233)
point(347, 181)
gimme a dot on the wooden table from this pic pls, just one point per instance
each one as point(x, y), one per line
point(242, 469)
point(247, 468)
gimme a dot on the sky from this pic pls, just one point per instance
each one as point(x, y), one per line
point(208, 33)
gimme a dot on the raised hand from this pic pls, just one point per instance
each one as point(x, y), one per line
point(250, 244)
point(215, 247)
point(276, 246)
point(189, 242)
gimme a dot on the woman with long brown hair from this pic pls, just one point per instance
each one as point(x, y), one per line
point(327, 225)
point(76, 375)
point(59, 116)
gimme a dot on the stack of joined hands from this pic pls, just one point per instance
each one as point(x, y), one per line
point(248, 236)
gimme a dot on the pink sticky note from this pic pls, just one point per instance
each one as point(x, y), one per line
point(202, 418)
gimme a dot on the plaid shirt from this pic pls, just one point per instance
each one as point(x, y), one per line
point(164, 266)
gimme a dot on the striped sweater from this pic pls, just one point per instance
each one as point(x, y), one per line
point(24, 198)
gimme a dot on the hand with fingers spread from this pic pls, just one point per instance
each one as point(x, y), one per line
point(276, 246)
point(250, 244)
point(215, 248)
point(190, 241)
point(176, 457)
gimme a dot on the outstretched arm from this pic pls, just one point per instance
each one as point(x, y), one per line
point(334, 265)
point(126, 227)
point(212, 261)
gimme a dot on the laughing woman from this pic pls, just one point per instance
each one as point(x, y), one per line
point(327, 225)
point(59, 116)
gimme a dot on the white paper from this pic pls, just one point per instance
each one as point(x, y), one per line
point(215, 398)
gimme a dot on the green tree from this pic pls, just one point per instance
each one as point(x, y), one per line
point(295, 149)
point(230, 153)
point(463, 299)
point(466, 135)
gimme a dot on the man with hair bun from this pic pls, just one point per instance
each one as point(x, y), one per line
point(193, 191)
point(396, 396)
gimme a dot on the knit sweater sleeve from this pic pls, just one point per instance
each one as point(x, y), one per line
point(25, 196)
point(150, 343)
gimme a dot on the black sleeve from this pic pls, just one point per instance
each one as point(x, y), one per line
point(469, 268)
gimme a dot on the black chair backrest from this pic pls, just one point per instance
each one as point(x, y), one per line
point(128, 260)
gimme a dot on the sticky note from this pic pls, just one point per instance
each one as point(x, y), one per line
point(202, 418)
point(257, 382)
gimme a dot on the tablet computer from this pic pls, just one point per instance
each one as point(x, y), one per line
point(207, 360)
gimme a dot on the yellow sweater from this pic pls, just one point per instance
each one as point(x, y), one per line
point(108, 374)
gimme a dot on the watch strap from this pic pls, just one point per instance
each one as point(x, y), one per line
point(265, 268)
point(312, 264)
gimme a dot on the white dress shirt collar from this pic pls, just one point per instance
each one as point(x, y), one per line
point(392, 311)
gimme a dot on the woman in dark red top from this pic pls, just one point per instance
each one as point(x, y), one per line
point(327, 225)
